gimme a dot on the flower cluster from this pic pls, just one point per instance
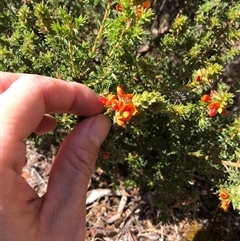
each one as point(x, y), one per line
point(214, 103)
point(138, 10)
point(223, 195)
point(121, 104)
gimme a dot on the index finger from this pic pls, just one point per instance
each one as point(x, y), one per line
point(28, 98)
point(6, 79)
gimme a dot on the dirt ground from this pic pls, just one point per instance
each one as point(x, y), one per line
point(128, 215)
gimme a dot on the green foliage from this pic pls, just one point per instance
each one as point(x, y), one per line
point(172, 137)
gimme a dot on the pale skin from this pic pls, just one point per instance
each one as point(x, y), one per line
point(26, 105)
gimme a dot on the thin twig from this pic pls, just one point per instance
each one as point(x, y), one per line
point(232, 164)
point(70, 47)
point(100, 32)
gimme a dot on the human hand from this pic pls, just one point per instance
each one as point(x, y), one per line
point(26, 102)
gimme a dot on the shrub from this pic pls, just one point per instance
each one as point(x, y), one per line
point(173, 116)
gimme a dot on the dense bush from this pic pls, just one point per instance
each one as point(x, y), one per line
point(173, 116)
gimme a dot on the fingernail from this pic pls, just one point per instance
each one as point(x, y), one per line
point(99, 129)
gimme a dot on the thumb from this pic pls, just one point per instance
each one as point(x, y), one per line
point(65, 199)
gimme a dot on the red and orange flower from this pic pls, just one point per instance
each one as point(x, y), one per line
point(214, 108)
point(138, 10)
point(224, 197)
point(224, 194)
point(214, 105)
point(121, 104)
point(225, 205)
point(206, 98)
point(105, 155)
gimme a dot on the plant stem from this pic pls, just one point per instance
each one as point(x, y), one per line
point(71, 49)
point(100, 32)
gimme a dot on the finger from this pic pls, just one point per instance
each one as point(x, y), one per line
point(47, 124)
point(6, 79)
point(71, 172)
point(35, 96)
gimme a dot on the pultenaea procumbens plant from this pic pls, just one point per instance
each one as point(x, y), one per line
point(171, 126)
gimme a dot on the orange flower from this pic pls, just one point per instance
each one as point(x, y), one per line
point(121, 104)
point(117, 105)
point(224, 194)
point(213, 108)
point(127, 111)
point(146, 4)
point(212, 112)
point(121, 94)
point(120, 90)
point(120, 120)
point(206, 98)
point(110, 99)
point(125, 114)
point(138, 11)
point(103, 100)
point(119, 8)
point(107, 101)
point(105, 155)
point(214, 105)
point(224, 205)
